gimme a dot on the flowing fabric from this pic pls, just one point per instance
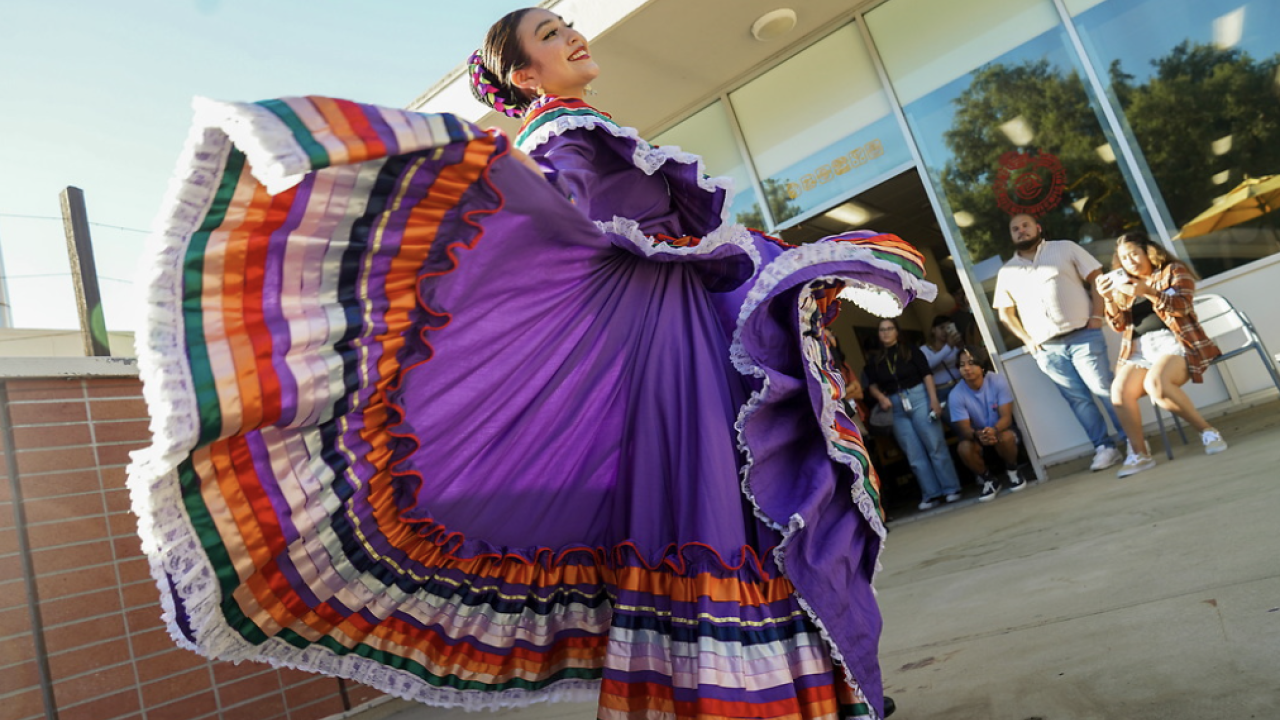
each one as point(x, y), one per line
point(426, 420)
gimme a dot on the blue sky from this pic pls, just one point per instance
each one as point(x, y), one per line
point(97, 95)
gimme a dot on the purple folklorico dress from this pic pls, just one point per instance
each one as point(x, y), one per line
point(479, 438)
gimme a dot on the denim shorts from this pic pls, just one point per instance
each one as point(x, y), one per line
point(1152, 346)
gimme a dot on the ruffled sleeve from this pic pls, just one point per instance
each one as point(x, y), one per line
point(568, 164)
point(583, 151)
point(646, 200)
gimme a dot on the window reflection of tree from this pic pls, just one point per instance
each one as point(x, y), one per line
point(780, 204)
point(1055, 107)
point(1205, 119)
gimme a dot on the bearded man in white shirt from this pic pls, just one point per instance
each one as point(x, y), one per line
point(1045, 295)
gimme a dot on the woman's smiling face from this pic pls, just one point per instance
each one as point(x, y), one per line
point(559, 62)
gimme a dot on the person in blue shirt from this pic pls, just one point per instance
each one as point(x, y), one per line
point(982, 416)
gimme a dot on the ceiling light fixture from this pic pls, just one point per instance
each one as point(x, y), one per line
point(773, 24)
point(850, 213)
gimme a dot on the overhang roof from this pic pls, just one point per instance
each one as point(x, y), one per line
point(663, 59)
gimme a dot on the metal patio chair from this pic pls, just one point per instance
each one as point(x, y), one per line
point(1235, 335)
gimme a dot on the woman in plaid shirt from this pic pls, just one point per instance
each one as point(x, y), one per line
point(1149, 300)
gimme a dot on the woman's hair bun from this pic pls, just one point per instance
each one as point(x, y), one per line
point(491, 91)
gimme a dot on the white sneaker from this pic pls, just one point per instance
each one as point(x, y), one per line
point(1213, 442)
point(927, 505)
point(954, 497)
point(1104, 457)
point(1135, 464)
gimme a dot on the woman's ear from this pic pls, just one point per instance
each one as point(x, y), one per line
point(525, 79)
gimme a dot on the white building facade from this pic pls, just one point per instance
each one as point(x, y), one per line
point(936, 120)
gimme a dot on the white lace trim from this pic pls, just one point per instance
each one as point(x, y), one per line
point(778, 270)
point(723, 235)
point(797, 258)
point(169, 540)
point(645, 156)
point(861, 498)
point(279, 162)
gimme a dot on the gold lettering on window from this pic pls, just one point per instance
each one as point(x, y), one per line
point(840, 165)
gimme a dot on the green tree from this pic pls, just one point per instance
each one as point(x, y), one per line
point(1054, 108)
point(775, 193)
point(1200, 94)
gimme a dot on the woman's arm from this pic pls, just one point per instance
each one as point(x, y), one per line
point(1115, 306)
point(1175, 291)
point(1117, 317)
point(568, 161)
point(932, 390)
point(853, 388)
point(872, 372)
point(881, 399)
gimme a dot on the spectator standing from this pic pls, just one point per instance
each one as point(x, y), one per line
point(982, 417)
point(962, 316)
point(899, 379)
point(940, 352)
point(1045, 295)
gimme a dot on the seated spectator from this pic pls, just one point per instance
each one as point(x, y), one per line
point(982, 416)
point(1150, 299)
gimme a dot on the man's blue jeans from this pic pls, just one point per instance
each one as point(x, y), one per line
point(1078, 364)
point(922, 442)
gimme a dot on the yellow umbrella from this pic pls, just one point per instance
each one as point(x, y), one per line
point(1250, 199)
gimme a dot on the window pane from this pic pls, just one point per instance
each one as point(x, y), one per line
point(1200, 90)
point(824, 107)
point(709, 134)
point(1006, 124)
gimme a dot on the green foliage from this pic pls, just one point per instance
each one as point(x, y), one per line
point(1198, 94)
point(775, 193)
point(1056, 108)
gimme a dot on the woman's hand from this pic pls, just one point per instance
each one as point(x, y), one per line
point(1139, 287)
point(1119, 292)
point(884, 403)
point(1105, 284)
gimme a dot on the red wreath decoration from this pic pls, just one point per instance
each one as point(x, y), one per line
point(1028, 183)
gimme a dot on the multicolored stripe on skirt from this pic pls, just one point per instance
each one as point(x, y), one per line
point(267, 505)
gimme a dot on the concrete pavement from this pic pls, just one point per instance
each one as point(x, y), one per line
point(1083, 597)
point(1156, 596)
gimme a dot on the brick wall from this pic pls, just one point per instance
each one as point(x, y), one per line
point(108, 652)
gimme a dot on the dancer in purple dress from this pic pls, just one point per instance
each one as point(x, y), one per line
point(670, 512)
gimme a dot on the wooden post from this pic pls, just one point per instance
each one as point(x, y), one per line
point(84, 275)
